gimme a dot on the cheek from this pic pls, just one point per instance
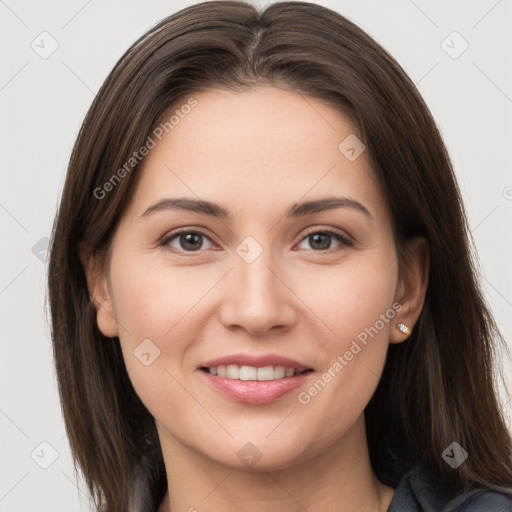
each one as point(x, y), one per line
point(153, 298)
point(369, 297)
point(360, 312)
point(159, 311)
point(350, 299)
point(146, 308)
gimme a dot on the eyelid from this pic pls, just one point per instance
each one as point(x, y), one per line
point(328, 230)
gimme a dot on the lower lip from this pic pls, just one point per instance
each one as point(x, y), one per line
point(254, 391)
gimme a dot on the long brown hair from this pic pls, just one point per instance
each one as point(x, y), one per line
point(438, 387)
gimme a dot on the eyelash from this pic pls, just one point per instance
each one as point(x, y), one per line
point(344, 240)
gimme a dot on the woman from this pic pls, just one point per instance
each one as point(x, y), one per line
point(261, 287)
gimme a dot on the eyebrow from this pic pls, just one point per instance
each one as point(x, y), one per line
point(215, 210)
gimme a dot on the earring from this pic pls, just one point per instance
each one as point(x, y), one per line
point(403, 328)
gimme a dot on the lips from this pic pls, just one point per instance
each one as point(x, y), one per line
point(254, 379)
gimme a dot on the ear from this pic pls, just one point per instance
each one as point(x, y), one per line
point(99, 290)
point(411, 288)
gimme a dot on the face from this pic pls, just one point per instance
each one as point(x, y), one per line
point(261, 280)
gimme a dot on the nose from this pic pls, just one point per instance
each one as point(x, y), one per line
point(258, 297)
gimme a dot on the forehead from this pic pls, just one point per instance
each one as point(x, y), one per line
point(254, 149)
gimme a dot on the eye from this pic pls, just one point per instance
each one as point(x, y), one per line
point(193, 241)
point(187, 241)
point(321, 240)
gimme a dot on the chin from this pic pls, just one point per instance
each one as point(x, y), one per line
point(255, 456)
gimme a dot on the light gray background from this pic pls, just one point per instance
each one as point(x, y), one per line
point(43, 102)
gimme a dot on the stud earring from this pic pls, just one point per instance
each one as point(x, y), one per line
point(403, 328)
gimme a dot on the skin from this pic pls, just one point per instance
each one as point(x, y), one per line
point(256, 153)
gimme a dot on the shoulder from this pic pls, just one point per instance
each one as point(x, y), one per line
point(483, 500)
point(418, 492)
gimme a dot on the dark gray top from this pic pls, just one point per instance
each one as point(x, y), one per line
point(415, 492)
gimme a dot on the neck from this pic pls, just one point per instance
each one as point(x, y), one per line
point(338, 478)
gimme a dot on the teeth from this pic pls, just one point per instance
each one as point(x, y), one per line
point(234, 371)
point(246, 373)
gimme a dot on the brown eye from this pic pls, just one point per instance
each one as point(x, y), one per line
point(322, 240)
point(187, 241)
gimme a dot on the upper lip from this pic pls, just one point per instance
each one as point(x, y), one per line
point(258, 361)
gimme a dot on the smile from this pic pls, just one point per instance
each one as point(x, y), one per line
point(251, 385)
point(252, 373)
